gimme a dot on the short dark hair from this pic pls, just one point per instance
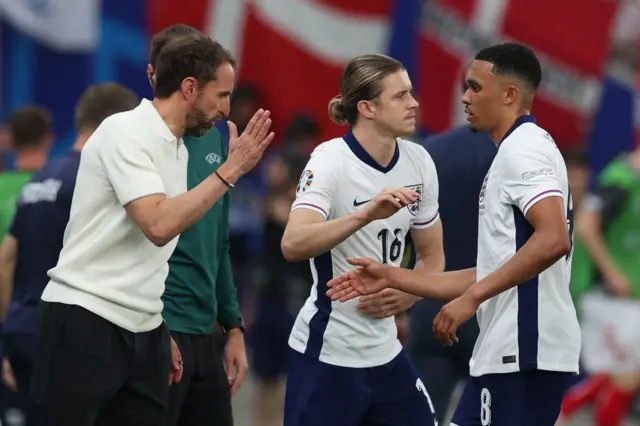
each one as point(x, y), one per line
point(29, 126)
point(514, 59)
point(194, 56)
point(101, 101)
point(162, 38)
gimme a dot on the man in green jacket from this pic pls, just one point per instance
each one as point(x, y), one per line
point(200, 289)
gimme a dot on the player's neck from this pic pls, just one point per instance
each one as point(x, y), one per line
point(380, 147)
point(31, 159)
point(173, 114)
point(498, 133)
point(81, 140)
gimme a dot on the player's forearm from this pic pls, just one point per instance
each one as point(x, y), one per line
point(6, 285)
point(538, 254)
point(588, 228)
point(440, 286)
point(429, 264)
point(308, 240)
point(175, 215)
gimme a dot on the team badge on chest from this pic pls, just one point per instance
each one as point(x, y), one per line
point(415, 206)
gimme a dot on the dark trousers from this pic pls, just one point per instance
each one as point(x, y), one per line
point(203, 396)
point(20, 350)
point(88, 371)
point(440, 367)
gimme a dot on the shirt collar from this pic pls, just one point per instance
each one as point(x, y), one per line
point(519, 122)
point(159, 126)
point(364, 156)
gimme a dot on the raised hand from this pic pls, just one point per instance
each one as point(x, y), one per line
point(245, 151)
point(388, 202)
point(367, 278)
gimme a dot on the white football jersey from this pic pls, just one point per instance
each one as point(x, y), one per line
point(532, 326)
point(339, 179)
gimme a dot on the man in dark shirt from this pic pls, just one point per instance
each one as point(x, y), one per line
point(462, 158)
point(34, 240)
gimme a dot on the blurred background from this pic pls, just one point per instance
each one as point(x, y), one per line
point(291, 54)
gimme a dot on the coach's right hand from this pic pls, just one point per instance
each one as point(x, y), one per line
point(245, 151)
point(388, 202)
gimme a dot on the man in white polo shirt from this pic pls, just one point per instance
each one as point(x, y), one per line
point(103, 351)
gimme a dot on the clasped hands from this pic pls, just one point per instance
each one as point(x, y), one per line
point(379, 299)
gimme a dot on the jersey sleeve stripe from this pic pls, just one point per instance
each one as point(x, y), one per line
point(310, 207)
point(428, 222)
point(542, 194)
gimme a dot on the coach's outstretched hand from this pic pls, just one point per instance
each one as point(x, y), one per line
point(388, 202)
point(245, 151)
point(367, 278)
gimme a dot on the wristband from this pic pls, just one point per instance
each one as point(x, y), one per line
point(230, 185)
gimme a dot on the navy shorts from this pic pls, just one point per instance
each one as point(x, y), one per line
point(527, 398)
point(268, 338)
point(320, 394)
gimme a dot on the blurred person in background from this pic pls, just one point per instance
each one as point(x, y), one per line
point(33, 243)
point(302, 136)
point(5, 142)
point(462, 157)
point(281, 292)
point(609, 227)
point(30, 140)
point(199, 288)
point(245, 220)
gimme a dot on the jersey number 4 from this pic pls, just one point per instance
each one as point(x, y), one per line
point(390, 252)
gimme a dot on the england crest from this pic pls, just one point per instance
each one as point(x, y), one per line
point(415, 206)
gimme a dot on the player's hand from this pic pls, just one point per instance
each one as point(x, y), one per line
point(453, 315)
point(235, 360)
point(388, 202)
point(177, 368)
point(386, 303)
point(617, 283)
point(367, 278)
point(8, 378)
point(246, 150)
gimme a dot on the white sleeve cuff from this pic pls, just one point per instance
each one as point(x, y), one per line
point(310, 206)
point(541, 196)
point(426, 224)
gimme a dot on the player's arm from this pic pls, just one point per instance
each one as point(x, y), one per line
point(532, 187)
point(8, 260)
point(598, 209)
point(309, 232)
point(426, 231)
point(139, 187)
point(443, 286)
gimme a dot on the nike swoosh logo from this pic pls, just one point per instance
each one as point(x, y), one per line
point(357, 203)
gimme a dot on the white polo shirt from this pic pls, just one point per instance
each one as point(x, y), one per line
point(107, 265)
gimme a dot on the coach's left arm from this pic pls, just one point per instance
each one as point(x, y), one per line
point(229, 316)
point(8, 260)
